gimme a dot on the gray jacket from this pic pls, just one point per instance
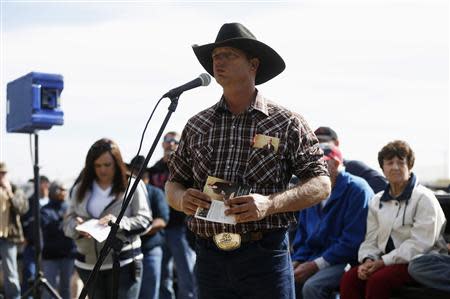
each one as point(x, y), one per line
point(136, 221)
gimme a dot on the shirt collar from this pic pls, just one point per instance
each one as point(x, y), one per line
point(406, 194)
point(259, 104)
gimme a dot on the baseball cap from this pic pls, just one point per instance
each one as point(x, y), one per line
point(325, 134)
point(330, 151)
point(3, 167)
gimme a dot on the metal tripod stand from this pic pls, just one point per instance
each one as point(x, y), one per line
point(39, 281)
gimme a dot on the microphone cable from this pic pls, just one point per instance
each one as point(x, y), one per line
point(139, 149)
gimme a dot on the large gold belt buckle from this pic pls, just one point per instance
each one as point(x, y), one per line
point(227, 241)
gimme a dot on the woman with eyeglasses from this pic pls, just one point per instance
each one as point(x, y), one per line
point(99, 194)
point(405, 220)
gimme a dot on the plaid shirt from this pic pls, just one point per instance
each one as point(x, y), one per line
point(217, 143)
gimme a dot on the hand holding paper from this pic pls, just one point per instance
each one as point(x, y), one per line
point(220, 190)
point(94, 228)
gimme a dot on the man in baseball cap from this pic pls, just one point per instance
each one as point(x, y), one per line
point(329, 234)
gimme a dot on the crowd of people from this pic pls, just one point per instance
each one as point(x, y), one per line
point(353, 230)
point(98, 193)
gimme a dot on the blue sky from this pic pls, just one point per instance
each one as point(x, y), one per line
point(373, 70)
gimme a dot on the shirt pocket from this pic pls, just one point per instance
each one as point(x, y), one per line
point(202, 156)
point(263, 167)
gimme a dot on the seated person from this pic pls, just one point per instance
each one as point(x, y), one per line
point(404, 221)
point(329, 234)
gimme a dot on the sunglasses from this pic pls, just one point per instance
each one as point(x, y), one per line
point(171, 139)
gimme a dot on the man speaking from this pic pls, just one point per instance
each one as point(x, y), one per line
point(248, 259)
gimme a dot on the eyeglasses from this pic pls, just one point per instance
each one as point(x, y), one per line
point(171, 139)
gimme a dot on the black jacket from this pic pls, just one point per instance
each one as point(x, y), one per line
point(56, 244)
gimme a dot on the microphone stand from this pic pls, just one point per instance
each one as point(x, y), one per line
point(112, 241)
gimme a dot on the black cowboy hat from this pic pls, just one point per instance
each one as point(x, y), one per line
point(237, 36)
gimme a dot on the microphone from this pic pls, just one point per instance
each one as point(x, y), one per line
point(202, 80)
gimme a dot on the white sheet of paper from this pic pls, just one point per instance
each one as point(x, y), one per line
point(216, 213)
point(98, 231)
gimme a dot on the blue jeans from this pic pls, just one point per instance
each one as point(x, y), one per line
point(129, 282)
point(8, 252)
point(322, 284)
point(151, 275)
point(28, 267)
point(176, 250)
point(58, 273)
point(432, 270)
point(256, 270)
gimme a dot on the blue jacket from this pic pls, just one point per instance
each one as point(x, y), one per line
point(56, 244)
point(336, 231)
point(160, 209)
